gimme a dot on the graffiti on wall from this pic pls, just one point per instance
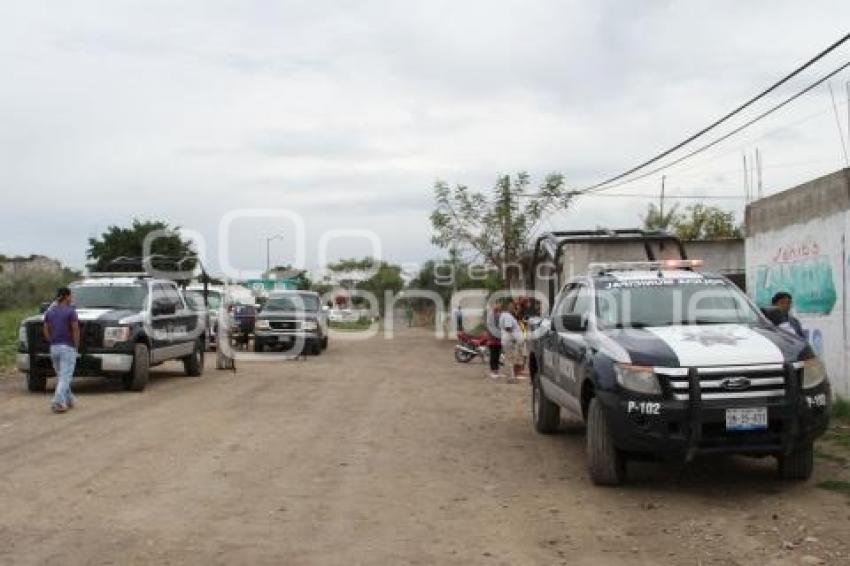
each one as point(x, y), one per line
point(801, 270)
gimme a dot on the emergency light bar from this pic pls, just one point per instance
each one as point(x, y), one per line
point(689, 264)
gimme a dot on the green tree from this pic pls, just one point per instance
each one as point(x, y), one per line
point(129, 242)
point(701, 222)
point(497, 227)
point(369, 274)
point(444, 277)
point(697, 222)
point(655, 219)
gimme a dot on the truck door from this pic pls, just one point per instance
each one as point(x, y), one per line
point(573, 346)
point(552, 364)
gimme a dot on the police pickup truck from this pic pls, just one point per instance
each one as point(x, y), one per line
point(661, 361)
point(128, 323)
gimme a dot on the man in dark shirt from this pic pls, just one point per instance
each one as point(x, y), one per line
point(783, 301)
point(62, 332)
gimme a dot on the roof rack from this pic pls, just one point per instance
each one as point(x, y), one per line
point(607, 267)
point(553, 243)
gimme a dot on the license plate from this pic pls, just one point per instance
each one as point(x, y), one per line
point(746, 419)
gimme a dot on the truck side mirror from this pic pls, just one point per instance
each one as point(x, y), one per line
point(774, 314)
point(42, 308)
point(161, 308)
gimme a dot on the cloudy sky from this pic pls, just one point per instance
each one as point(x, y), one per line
point(346, 112)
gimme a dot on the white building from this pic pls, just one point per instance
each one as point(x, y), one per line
point(797, 242)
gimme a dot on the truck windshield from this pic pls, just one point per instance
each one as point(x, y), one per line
point(292, 303)
point(664, 302)
point(196, 299)
point(125, 297)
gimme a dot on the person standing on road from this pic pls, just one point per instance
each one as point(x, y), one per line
point(783, 301)
point(511, 340)
point(494, 343)
point(62, 332)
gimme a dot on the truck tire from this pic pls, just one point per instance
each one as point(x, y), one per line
point(137, 379)
point(36, 380)
point(324, 342)
point(607, 465)
point(258, 346)
point(193, 364)
point(316, 348)
point(545, 415)
point(798, 465)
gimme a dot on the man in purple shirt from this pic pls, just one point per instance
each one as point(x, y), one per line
point(62, 332)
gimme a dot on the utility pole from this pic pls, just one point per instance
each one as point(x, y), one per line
point(661, 200)
point(268, 251)
point(758, 173)
point(838, 123)
point(746, 177)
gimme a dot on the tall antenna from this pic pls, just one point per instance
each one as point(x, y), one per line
point(838, 124)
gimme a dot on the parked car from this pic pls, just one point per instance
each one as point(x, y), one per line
point(289, 317)
point(128, 324)
point(661, 361)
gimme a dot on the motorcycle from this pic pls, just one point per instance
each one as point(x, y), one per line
point(468, 347)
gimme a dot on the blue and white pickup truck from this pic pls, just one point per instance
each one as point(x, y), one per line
point(661, 361)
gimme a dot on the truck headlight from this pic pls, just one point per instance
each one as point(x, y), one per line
point(310, 325)
point(114, 334)
point(814, 373)
point(22, 336)
point(262, 325)
point(639, 379)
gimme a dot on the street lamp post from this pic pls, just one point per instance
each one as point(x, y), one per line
point(268, 251)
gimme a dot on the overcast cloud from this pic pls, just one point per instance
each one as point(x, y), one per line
point(347, 112)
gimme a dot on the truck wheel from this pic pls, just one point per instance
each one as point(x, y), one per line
point(545, 414)
point(137, 379)
point(316, 348)
point(258, 346)
point(607, 465)
point(194, 363)
point(36, 380)
point(324, 342)
point(798, 465)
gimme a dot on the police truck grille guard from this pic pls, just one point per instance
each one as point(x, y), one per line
point(696, 386)
point(727, 382)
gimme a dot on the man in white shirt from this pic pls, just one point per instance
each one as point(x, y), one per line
point(511, 340)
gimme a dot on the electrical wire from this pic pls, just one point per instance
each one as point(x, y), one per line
point(723, 119)
point(702, 148)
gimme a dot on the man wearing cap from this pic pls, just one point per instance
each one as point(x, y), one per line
point(62, 332)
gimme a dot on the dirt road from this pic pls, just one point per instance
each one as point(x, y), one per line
point(378, 452)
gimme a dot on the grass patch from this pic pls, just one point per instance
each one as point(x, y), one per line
point(841, 409)
point(9, 321)
point(830, 457)
point(838, 486)
point(359, 325)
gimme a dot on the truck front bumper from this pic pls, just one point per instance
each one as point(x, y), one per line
point(663, 427)
point(87, 364)
point(285, 336)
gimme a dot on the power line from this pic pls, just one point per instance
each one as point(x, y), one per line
point(721, 138)
point(723, 119)
point(668, 196)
